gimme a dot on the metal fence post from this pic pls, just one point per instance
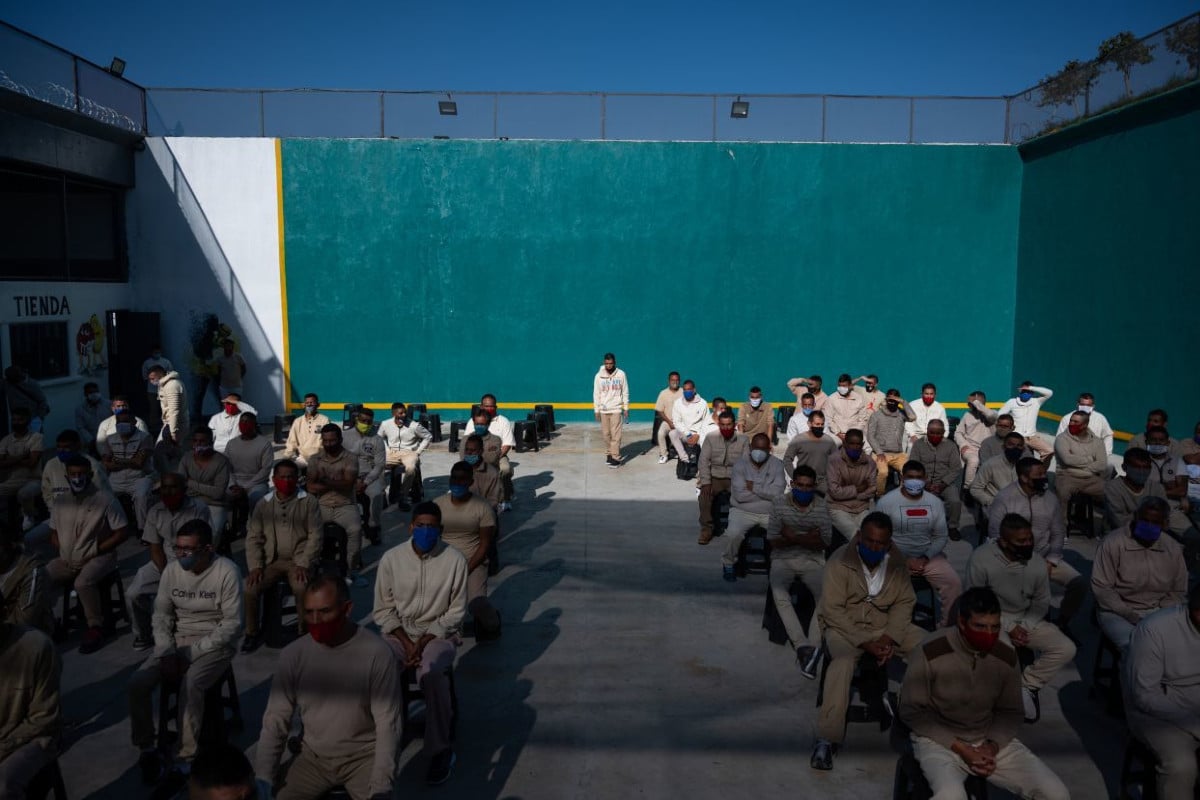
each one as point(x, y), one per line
point(603, 115)
point(75, 77)
point(1007, 114)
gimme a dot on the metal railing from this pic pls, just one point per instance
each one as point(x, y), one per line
point(1156, 63)
point(613, 116)
point(42, 71)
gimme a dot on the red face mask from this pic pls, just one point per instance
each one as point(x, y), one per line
point(285, 486)
point(245, 427)
point(173, 502)
point(231, 408)
point(935, 438)
point(980, 640)
point(1076, 429)
point(727, 433)
point(927, 400)
point(325, 632)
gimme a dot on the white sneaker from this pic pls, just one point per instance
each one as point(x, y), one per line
point(662, 459)
point(506, 506)
point(27, 524)
point(1032, 708)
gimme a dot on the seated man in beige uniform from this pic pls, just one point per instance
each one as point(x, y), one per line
point(250, 457)
point(812, 447)
point(866, 607)
point(283, 539)
point(977, 426)
point(197, 622)
point(304, 435)
point(662, 414)
point(1137, 570)
point(128, 459)
point(845, 409)
point(24, 588)
point(852, 480)
point(207, 474)
point(469, 526)
point(20, 456)
point(1161, 682)
point(756, 416)
point(351, 735)
point(1123, 493)
point(30, 712)
point(485, 478)
point(1080, 461)
point(720, 450)
point(885, 435)
point(1020, 579)
point(998, 471)
point(365, 442)
point(163, 522)
point(493, 446)
point(405, 440)
point(332, 475)
point(420, 599)
point(962, 699)
point(799, 531)
point(86, 527)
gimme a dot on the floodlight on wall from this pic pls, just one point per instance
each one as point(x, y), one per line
point(740, 109)
point(117, 67)
point(447, 107)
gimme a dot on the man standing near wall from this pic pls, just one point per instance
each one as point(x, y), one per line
point(610, 401)
point(156, 359)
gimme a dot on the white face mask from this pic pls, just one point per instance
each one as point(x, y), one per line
point(843, 390)
point(1085, 409)
point(758, 456)
point(755, 402)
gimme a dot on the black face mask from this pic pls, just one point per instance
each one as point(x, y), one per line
point(1012, 454)
point(1040, 484)
point(1023, 553)
point(19, 430)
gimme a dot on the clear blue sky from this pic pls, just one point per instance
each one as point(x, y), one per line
point(936, 47)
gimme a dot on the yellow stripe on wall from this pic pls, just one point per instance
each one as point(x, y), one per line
point(283, 295)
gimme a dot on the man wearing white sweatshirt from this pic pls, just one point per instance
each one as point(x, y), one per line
point(197, 623)
point(1024, 409)
point(610, 401)
point(690, 417)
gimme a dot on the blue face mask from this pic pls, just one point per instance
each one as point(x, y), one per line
point(914, 485)
point(688, 394)
point(807, 411)
point(459, 491)
point(472, 459)
point(1026, 396)
point(871, 558)
point(63, 455)
point(1146, 531)
point(187, 562)
point(853, 453)
point(481, 430)
point(803, 496)
point(425, 537)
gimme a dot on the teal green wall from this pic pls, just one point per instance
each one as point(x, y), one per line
point(1109, 265)
point(435, 270)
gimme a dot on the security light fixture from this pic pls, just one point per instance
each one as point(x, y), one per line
point(448, 108)
point(117, 67)
point(740, 109)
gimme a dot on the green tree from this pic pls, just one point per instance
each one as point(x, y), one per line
point(1184, 40)
point(1069, 84)
point(1124, 51)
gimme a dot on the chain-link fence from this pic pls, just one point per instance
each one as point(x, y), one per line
point(39, 70)
point(1165, 59)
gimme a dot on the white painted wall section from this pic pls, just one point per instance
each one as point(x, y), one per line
point(204, 239)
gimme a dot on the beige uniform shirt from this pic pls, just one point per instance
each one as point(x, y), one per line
point(82, 522)
point(13, 447)
point(1133, 580)
point(344, 466)
point(461, 523)
point(304, 437)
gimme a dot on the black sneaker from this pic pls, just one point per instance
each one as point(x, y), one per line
point(152, 767)
point(612, 462)
point(823, 753)
point(251, 642)
point(142, 643)
point(440, 767)
point(810, 659)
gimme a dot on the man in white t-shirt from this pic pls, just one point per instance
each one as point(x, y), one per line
point(1024, 409)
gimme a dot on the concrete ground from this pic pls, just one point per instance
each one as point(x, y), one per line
point(627, 667)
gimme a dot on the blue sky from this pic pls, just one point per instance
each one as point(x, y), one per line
point(937, 47)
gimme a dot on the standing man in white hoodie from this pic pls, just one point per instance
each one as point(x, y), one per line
point(1024, 409)
point(610, 401)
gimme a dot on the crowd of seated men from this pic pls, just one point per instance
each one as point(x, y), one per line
point(193, 608)
point(864, 501)
point(861, 507)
